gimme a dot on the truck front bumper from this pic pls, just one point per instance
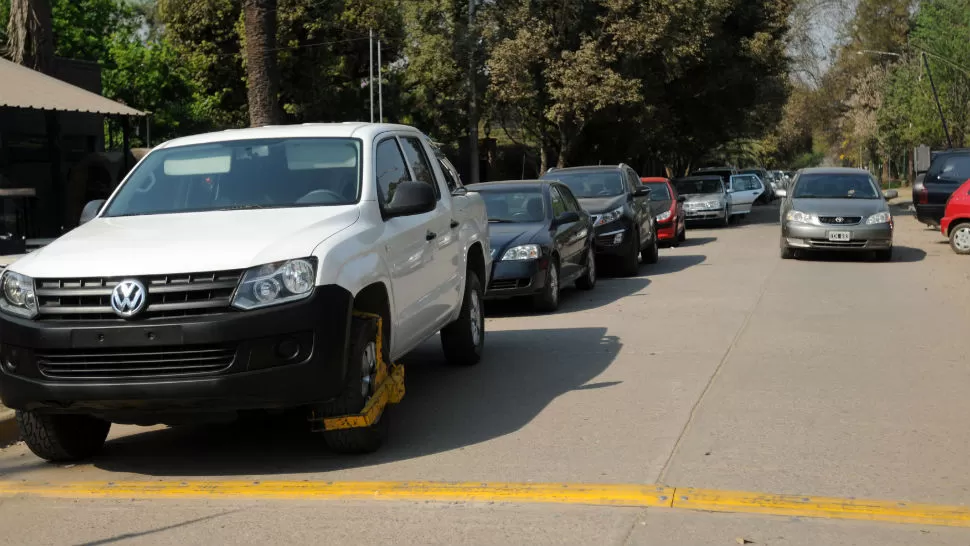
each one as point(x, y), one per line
point(141, 371)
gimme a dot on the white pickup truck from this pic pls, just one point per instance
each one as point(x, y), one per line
point(230, 271)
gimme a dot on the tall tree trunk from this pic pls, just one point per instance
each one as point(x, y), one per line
point(30, 34)
point(262, 74)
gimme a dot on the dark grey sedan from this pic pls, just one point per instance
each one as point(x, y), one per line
point(836, 209)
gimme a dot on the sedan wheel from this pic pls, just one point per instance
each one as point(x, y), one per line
point(548, 299)
point(960, 238)
point(588, 281)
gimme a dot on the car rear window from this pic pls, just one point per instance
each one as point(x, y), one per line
point(950, 168)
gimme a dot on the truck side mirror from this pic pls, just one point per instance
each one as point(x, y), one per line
point(91, 210)
point(410, 198)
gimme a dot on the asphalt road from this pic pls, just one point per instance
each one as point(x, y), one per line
point(722, 367)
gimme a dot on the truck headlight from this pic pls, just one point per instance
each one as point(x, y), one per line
point(522, 252)
point(664, 216)
point(608, 217)
point(800, 217)
point(879, 218)
point(276, 283)
point(18, 295)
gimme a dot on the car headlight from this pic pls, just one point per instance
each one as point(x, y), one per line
point(276, 283)
point(18, 295)
point(522, 252)
point(879, 218)
point(713, 204)
point(664, 216)
point(608, 217)
point(800, 217)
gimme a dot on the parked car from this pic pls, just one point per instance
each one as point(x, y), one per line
point(836, 209)
point(724, 172)
point(768, 195)
point(667, 207)
point(743, 191)
point(948, 171)
point(541, 240)
point(705, 198)
point(625, 228)
point(956, 221)
point(247, 269)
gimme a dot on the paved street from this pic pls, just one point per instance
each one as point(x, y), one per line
point(723, 367)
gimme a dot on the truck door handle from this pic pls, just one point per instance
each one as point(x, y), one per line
point(431, 236)
point(454, 224)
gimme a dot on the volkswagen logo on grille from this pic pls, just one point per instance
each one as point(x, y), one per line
point(839, 220)
point(128, 298)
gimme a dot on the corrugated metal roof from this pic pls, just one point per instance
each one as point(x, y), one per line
point(21, 87)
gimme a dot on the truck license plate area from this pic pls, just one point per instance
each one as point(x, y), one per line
point(138, 336)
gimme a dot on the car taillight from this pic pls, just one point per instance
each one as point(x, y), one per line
point(922, 195)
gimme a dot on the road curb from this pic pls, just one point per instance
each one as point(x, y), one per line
point(9, 433)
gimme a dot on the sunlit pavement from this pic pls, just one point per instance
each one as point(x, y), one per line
point(722, 367)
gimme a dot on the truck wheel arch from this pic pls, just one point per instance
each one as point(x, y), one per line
point(476, 262)
point(374, 298)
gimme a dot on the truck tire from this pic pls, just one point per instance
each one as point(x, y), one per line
point(62, 438)
point(652, 253)
point(630, 265)
point(362, 354)
point(547, 300)
point(464, 339)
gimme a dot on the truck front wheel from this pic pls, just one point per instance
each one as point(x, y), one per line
point(361, 372)
point(62, 438)
point(463, 340)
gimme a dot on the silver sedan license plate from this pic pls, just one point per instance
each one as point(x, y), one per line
point(840, 236)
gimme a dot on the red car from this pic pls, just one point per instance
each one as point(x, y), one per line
point(956, 219)
point(668, 210)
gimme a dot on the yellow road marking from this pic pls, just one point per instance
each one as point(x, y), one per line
point(656, 496)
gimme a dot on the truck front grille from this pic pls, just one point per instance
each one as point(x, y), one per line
point(89, 299)
point(120, 363)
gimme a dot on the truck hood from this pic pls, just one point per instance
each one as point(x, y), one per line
point(599, 205)
point(504, 236)
point(700, 197)
point(186, 242)
point(840, 207)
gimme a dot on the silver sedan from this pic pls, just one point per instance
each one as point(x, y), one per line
point(836, 209)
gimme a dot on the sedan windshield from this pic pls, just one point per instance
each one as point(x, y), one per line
point(658, 191)
point(835, 186)
point(591, 184)
point(514, 206)
point(699, 187)
point(244, 174)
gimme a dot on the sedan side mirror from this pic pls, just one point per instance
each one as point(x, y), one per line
point(642, 191)
point(681, 198)
point(91, 210)
point(891, 194)
point(410, 198)
point(567, 217)
point(781, 193)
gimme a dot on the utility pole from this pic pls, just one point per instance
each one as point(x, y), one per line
point(370, 84)
point(380, 85)
point(472, 39)
point(936, 97)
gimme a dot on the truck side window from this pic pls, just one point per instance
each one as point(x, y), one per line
point(391, 169)
point(450, 178)
point(419, 163)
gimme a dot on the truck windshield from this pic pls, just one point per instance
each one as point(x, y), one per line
point(242, 174)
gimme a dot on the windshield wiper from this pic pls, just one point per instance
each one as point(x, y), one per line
point(499, 221)
point(242, 207)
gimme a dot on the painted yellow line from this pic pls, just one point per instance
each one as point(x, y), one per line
point(602, 495)
point(821, 507)
point(655, 496)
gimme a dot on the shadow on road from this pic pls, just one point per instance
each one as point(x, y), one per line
point(445, 408)
point(901, 254)
point(696, 241)
point(674, 263)
point(607, 291)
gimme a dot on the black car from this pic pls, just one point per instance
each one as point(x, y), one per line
point(541, 240)
point(625, 227)
point(948, 171)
